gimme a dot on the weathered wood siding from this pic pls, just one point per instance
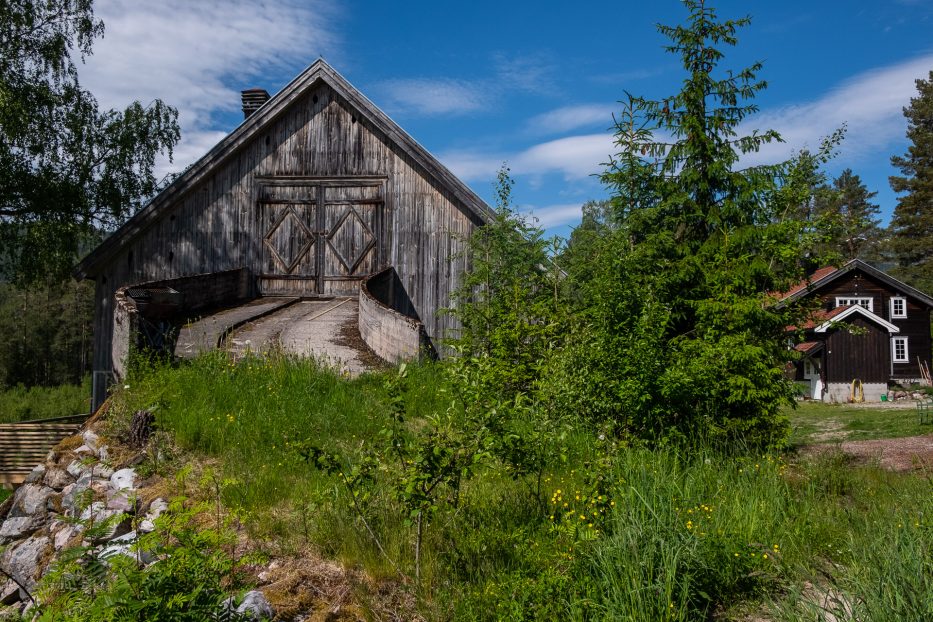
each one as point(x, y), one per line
point(220, 223)
point(916, 326)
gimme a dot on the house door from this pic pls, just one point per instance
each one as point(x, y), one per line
point(811, 372)
point(320, 239)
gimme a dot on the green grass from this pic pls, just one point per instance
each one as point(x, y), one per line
point(4, 493)
point(816, 422)
point(22, 404)
point(663, 535)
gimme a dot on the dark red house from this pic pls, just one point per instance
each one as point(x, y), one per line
point(870, 327)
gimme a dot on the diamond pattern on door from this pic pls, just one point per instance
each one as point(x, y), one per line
point(351, 239)
point(289, 240)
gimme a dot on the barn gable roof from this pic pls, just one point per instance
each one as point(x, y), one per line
point(825, 276)
point(317, 73)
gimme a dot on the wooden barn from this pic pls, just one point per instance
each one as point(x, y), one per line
point(314, 193)
point(869, 327)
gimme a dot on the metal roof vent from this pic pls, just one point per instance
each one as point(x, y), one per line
point(253, 99)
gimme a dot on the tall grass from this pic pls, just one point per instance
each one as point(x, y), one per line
point(21, 404)
point(616, 534)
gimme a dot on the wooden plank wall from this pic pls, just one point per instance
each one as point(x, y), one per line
point(916, 326)
point(863, 354)
point(217, 224)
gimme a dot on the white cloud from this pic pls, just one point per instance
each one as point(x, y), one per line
point(574, 157)
point(454, 96)
point(555, 215)
point(197, 56)
point(870, 104)
point(436, 97)
point(570, 118)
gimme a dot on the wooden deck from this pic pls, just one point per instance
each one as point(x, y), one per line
point(24, 445)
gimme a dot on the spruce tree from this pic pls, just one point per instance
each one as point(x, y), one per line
point(850, 217)
point(912, 224)
point(683, 340)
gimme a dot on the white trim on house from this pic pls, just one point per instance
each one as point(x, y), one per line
point(895, 314)
point(856, 309)
point(847, 301)
point(905, 358)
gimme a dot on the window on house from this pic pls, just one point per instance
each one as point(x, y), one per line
point(899, 352)
point(865, 301)
point(898, 307)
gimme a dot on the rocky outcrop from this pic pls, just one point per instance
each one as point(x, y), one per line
point(54, 510)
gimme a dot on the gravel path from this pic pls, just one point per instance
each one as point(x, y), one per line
point(895, 454)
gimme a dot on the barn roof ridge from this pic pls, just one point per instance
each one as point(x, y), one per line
point(824, 278)
point(319, 70)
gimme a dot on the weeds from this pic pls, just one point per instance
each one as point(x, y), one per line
point(600, 531)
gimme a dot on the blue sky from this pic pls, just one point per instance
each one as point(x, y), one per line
point(533, 84)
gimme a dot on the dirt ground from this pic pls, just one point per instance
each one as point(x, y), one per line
point(895, 454)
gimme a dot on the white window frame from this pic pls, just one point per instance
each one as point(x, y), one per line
point(846, 301)
point(894, 342)
point(903, 314)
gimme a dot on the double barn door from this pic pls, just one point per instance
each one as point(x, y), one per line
point(320, 238)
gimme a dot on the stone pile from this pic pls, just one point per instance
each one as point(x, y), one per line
point(55, 506)
point(906, 395)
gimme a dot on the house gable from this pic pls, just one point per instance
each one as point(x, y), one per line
point(848, 313)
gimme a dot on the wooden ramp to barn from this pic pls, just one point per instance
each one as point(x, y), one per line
point(324, 329)
point(24, 445)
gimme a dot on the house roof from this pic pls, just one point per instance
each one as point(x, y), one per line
point(808, 347)
point(802, 286)
point(840, 313)
point(828, 274)
point(317, 73)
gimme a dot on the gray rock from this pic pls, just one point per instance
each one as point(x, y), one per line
point(124, 479)
point(102, 471)
point(121, 501)
point(156, 508)
point(87, 476)
point(98, 513)
point(35, 475)
point(91, 440)
point(85, 450)
point(22, 561)
point(126, 545)
point(30, 499)
point(255, 607)
point(63, 533)
point(16, 527)
point(57, 478)
point(54, 503)
point(9, 593)
point(76, 469)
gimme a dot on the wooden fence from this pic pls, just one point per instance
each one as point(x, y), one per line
point(25, 444)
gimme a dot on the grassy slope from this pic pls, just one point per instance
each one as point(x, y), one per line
point(638, 535)
point(22, 404)
point(814, 422)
